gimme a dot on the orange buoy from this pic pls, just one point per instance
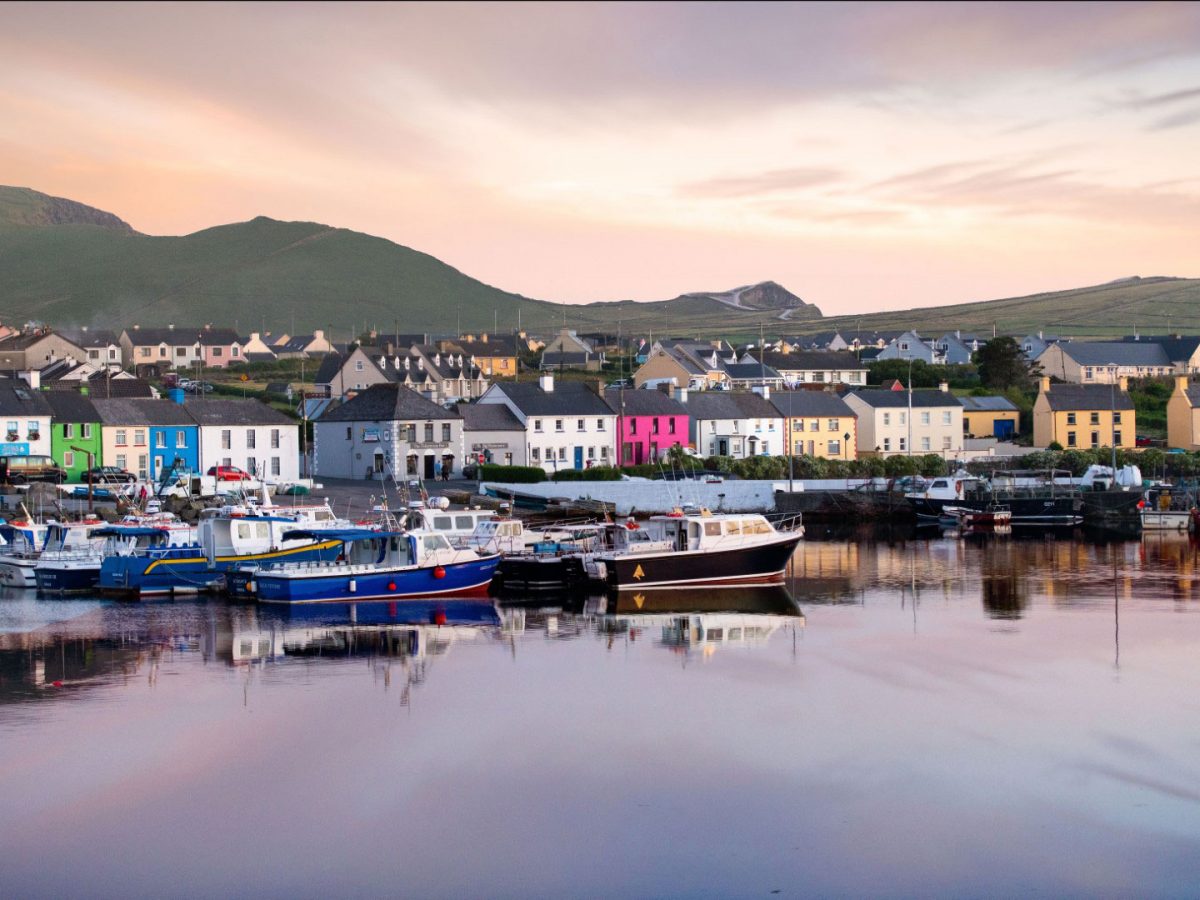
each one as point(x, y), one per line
point(391, 585)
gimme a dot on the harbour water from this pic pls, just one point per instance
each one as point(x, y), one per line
point(931, 716)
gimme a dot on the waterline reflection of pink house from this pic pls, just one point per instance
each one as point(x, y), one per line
point(649, 423)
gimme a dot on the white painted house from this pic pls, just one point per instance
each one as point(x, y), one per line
point(892, 423)
point(567, 425)
point(734, 423)
point(249, 435)
point(387, 429)
point(26, 416)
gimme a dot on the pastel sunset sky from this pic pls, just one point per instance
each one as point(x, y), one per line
point(864, 156)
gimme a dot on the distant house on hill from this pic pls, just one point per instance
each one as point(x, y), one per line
point(160, 349)
point(1103, 362)
point(569, 351)
point(35, 349)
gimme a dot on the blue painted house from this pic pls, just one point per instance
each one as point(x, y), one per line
point(146, 437)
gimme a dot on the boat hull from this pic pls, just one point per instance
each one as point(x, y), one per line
point(1166, 520)
point(16, 573)
point(351, 584)
point(1049, 511)
point(77, 578)
point(142, 576)
point(762, 563)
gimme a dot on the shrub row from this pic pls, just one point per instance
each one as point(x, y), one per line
point(511, 474)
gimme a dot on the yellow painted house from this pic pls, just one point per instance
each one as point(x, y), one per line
point(817, 423)
point(985, 417)
point(1183, 415)
point(1084, 416)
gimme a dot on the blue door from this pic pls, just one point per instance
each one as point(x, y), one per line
point(1002, 428)
point(579, 457)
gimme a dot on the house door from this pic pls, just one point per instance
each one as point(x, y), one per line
point(579, 457)
point(723, 447)
point(429, 467)
point(378, 465)
point(1003, 428)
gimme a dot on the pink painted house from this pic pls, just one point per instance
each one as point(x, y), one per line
point(219, 347)
point(649, 423)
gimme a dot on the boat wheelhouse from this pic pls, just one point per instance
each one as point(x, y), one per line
point(29, 543)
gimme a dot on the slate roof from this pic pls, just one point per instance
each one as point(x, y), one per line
point(331, 364)
point(488, 417)
point(235, 412)
point(796, 404)
point(177, 337)
point(387, 403)
point(210, 337)
point(71, 406)
point(1087, 396)
point(93, 337)
point(17, 399)
point(499, 345)
point(1193, 394)
point(27, 339)
point(142, 412)
point(643, 403)
point(813, 360)
point(569, 398)
point(751, 372)
point(899, 399)
point(101, 386)
point(730, 405)
point(1116, 353)
point(552, 359)
point(987, 404)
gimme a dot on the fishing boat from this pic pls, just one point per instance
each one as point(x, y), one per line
point(993, 516)
point(226, 538)
point(1167, 508)
point(29, 543)
point(1041, 498)
point(77, 572)
point(377, 565)
point(682, 549)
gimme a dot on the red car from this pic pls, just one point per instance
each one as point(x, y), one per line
point(228, 473)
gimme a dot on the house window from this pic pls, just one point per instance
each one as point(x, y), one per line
point(144, 352)
point(139, 437)
point(887, 444)
point(349, 433)
point(604, 453)
point(558, 425)
point(835, 425)
point(410, 433)
point(1087, 374)
point(599, 424)
point(1116, 439)
point(87, 431)
point(946, 442)
point(1071, 439)
point(251, 439)
point(562, 453)
point(275, 469)
point(181, 351)
point(798, 425)
point(121, 461)
point(162, 351)
point(93, 354)
point(534, 453)
point(579, 426)
point(903, 444)
point(818, 376)
point(251, 465)
point(633, 426)
point(181, 439)
point(274, 438)
point(1116, 418)
point(904, 346)
point(1070, 418)
point(1095, 439)
point(445, 431)
point(671, 425)
point(946, 417)
point(925, 418)
point(216, 351)
point(834, 448)
point(358, 365)
point(143, 466)
point(226, 439)
point(591, 453)
point(68, 459)
point(235, 350)
point(887, 419)
point(122, 437)
point(903, 418)
point(227, 461)
point(68, 431)
point(160, 440)
point(429, 432)
point(537, 424)
point(925, 444)
point(1095, 418)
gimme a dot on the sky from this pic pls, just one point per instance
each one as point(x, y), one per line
point(864, 156)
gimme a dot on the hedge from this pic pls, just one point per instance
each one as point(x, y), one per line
point(511, 474)
point(596, 473)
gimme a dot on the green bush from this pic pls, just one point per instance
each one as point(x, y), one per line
point(596, 473)
point(511, 474)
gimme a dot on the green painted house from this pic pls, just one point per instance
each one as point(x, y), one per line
point(75, 429)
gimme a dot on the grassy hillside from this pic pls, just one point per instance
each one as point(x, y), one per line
point(1151, 305)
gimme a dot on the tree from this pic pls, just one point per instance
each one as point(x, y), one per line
point(1002, 365)
point(923, 374)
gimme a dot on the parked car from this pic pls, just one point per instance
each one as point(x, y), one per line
point(1143, 441)
point(107, 475)
point(228, 473)
point(198, 387)
point(25, 469)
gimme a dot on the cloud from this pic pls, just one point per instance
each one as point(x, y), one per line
point(772, 182)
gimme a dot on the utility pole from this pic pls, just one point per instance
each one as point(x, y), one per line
point(91, 458)
point(910, 362)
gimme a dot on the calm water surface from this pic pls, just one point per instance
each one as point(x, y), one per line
point(931, 717)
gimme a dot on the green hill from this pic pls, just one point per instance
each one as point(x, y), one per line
point(69, 264)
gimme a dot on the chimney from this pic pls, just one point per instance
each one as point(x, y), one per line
point(1123, 383)
point(763, 390)
point(1181, 384)
point(171, 327)
point(1044, 384)
point(944, 387)
point(483, 337)
point(319, 334)
point(681, 394)
point(33, 378)
point(546, 383)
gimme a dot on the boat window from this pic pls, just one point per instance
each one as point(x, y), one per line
point(712, 529)
point(762, 526)
point(715, 634)
point(261, 530)
point(941, 483)
point(243, 530)
point(735, 634)
point(733, 527)
point(434, 542)
point(463, 522)
point(442, 522)
point(323, 515)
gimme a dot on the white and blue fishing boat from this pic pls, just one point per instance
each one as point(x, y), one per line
point(78, 572)
point(377, 565)
point(226, 540)
point(28, 543)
